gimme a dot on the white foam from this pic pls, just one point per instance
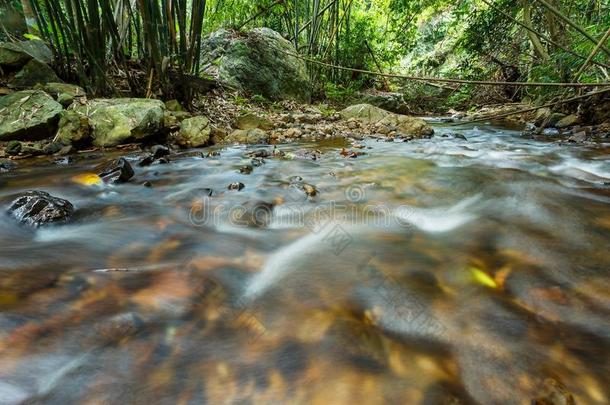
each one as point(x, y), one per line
point(438, 219)
point(280, 263)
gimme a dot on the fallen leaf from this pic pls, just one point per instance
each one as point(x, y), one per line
point(482, 278)
point(88, 179)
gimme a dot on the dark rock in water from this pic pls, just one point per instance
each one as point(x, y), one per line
point(158, 151)
point(236, 186)
point(252, 213)
point(259, 153)
point(460, 136)
point(257, 162)
point(213, 154)
point(307, 154)
point(147, 184)
point(147, 161)
point(118, 327)
point(65, 160)
point(36, 208)
point(245, 169)
point(6, 166)
point(310, 190)
point(52, 148)
point(115, 171)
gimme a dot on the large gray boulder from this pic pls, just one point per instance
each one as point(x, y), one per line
point(394, 102)
point(28, 115)
point(110, 122)
point(258, 62)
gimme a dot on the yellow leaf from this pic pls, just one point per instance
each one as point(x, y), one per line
point(482, 278)
point(88, 179)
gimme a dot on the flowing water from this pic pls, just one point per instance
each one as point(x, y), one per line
point(445, 271)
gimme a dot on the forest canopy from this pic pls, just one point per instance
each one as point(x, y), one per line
point(504, 40)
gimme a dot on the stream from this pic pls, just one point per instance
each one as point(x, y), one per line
point(442, 271)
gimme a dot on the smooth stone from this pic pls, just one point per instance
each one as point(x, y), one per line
point(37, 208)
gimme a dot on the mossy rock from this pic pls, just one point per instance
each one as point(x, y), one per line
point(365, 113)
point(34, 72)
point(369, 114)
point(194, 132)
point(251, 121)
point(258, 62)
point(64, 93)
point(173, 105)
point(254, 136)
point(111, 122)
point(28, 115)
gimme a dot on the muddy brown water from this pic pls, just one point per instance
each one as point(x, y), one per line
point(446, 271)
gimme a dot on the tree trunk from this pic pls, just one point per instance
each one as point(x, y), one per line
point(527, 21)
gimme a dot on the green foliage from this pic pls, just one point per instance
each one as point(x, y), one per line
point(473, 39)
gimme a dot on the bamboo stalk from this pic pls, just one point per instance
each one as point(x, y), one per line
point(541, 35)
point(571, 23)
point(592, 55)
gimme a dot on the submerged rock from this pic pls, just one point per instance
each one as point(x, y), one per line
point(194, 132)
point(110, 122)
point(236, 186)
point(159, 151)
point(252, 214)
point(115, 171)
point(6, 166)
point(36, 208)
point(258, 62)
point(28, 114)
